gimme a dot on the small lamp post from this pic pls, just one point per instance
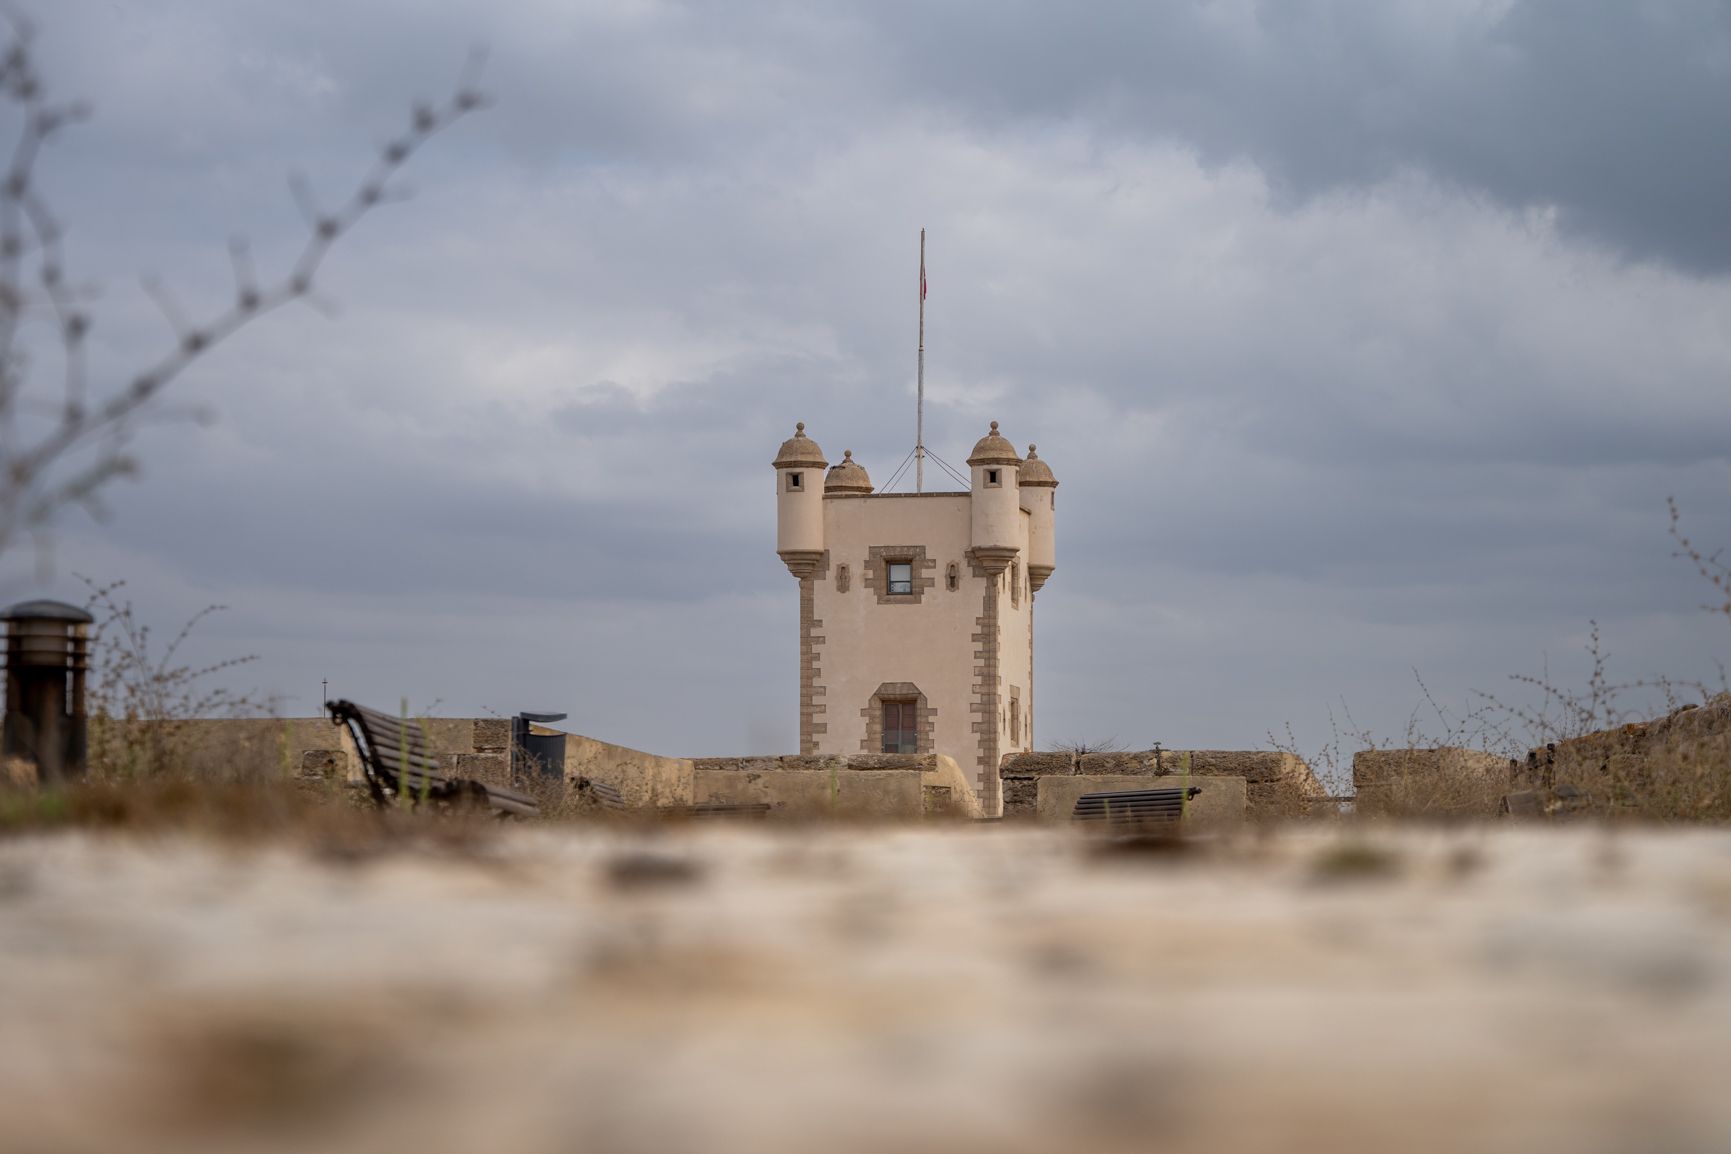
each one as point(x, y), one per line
point(47, 657)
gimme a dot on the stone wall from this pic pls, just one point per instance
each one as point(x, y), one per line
point(1674, 767)
point(228, 749)
point(882, 786)
point(1276, 783)
point(644, 779)
point(1447, 781)
point(314, 747)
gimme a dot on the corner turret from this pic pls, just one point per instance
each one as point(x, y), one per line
point(1039, 497)
point(996, 505)
point(848, 477)
point(799, 468)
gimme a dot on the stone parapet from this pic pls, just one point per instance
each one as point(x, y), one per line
point(870, 787)
point(1673, 767)
point(863, 761)
point(1277, 783)
point(1444, 782)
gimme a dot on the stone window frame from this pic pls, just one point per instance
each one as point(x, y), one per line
point(1016, 717)
point(1015, 584)
point(842, 579)
point(795, 481)
point(925, 717)
point(876, 572)
point(995, 478)
point(953, 577)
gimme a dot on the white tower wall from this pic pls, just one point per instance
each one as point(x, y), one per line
point(799, 476)
point(1042, 544)
point(997, 511)
point(799, 511)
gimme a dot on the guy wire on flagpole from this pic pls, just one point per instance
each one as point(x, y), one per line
point(920, 403)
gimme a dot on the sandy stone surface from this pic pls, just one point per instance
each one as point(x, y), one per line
point(749, 990)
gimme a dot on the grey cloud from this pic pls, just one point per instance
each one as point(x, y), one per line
point(1326, 402)
point(1615, 113)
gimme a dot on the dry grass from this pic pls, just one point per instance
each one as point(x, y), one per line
point(1449, 783)
point(337, 823)
point(1673, 769)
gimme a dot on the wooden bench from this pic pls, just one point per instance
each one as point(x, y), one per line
point(395, 760)
point(606, 794)
point(1135, 806)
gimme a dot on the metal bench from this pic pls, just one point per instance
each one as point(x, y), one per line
point(1135, 806)
point(395, 760)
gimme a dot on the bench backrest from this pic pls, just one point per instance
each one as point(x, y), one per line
point(604, 792)
point(394, 755)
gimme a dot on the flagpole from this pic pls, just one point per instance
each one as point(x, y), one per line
point(920, 404)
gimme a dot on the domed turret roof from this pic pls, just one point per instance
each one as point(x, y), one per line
point(1036, 472)
point(848, 477)
point(993, 449)
point(800, 452)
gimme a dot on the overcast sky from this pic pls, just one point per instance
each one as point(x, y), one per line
point(1363, 338)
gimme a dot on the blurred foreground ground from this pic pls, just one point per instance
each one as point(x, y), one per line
point(751, 990)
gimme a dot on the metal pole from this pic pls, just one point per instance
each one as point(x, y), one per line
point(920, 405)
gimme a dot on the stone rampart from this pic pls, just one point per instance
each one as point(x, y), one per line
point(1447, 781)
point(883, 787)
point(315, 748)
point(225, 748)
point(1673, 767)
point(645, 779)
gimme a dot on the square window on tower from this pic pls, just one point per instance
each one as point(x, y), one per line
point(901, 578)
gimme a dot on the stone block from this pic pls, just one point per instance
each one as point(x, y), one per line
point(490, 767)
point(1372, 767)
point(813, 794)
point(1252, 765)
point(939, 800)
point(492, 734)
point(1108, 764)
point(324, 764)
point(1021, 796)
point(1034, 764)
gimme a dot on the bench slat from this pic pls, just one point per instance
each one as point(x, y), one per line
point(606, 793)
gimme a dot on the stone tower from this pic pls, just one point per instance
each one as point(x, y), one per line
point(916, 610)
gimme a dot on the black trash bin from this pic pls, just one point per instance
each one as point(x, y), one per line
point(47, 657)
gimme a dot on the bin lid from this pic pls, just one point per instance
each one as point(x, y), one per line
point(44, 610)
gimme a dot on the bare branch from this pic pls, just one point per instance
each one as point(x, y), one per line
point(39, 476)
